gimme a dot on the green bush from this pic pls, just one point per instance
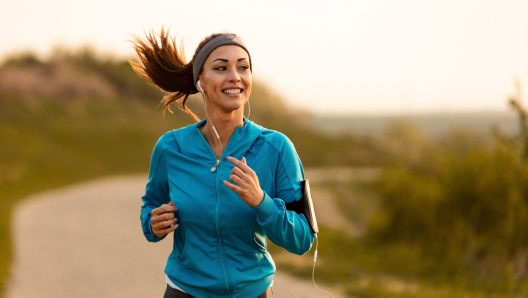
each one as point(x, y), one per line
point(461, 197)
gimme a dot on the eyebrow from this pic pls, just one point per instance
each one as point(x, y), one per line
point(225, 60)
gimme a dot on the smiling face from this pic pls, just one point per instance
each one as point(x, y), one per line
point(226, 79)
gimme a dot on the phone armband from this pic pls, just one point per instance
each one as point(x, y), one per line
point(305, 206)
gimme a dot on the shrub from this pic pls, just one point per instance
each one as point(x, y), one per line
point(466, 198)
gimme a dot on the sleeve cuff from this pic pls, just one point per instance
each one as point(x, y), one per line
point(266, 210)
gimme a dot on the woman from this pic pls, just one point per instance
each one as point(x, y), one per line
point(219, 185)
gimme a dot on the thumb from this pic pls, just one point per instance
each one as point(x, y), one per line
point(244, 159)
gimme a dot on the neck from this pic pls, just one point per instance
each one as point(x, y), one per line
point(225, 125)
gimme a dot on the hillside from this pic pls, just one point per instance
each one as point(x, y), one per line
point(80, 115)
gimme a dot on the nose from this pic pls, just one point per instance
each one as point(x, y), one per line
point(233, 75)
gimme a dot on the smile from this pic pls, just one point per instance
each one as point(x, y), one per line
point(232, 91)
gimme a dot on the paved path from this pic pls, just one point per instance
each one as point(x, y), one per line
point(86, 241)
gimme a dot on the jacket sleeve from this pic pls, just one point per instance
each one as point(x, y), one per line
point(285, 228)
point(156, 192)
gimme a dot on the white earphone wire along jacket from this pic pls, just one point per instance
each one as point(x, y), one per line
point(212, 124)
point(313, 272)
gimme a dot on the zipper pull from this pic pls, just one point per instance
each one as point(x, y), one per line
point(213, 169)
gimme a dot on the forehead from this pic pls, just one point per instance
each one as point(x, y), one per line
point(229, 52)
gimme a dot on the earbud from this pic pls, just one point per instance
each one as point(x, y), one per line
point(199, 86)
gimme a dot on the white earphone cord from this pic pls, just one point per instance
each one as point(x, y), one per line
point(285, 287)
point(214, 128)
point(313, 272)
point(313, 268)
point(249, 109)
point(207, 116)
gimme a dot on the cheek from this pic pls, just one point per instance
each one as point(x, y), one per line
point(212, 83)
point(247, 81)
point(248, 89)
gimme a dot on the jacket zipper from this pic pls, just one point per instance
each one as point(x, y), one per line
point(220, 238)
point(213, 169)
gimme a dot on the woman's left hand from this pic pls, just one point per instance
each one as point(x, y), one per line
point(247, 185)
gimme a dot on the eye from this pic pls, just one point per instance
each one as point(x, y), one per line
point(244, 67)
point(220, 68)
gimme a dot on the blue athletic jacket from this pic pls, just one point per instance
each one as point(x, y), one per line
point(220, 245)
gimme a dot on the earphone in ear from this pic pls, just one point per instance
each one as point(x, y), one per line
point(199, 86)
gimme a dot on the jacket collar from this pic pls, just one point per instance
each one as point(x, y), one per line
point(193, 144)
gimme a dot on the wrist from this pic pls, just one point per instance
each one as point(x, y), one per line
point(260, 197)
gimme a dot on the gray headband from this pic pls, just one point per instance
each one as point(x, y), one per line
point(222, 40)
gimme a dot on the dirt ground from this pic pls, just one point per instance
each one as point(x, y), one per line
point(85, 240)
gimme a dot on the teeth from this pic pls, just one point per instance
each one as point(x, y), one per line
point(232, 91)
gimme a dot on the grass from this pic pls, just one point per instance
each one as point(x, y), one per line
point(363, 268)
point(52, 143)
point(48, 144)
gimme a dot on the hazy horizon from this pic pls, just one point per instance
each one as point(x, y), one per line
point(345, 57)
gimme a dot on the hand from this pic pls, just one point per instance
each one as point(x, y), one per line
point(163, 220)
point(247, 185)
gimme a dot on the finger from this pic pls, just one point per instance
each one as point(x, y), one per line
point(161, 224)
point(163, 217)
point(244, 167)
point(232, 186)
point(244, 160)
point(241, 165)
point(238, 172)
point(169, 207)
point(165, 224)
point(166, 231)
point(165, 208)
point(156, 219)
point(237, 180)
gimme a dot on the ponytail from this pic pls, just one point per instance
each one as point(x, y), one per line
point(162, 64)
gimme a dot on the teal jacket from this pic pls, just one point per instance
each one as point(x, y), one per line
point(219, 248)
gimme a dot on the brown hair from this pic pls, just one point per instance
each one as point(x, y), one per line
point(162, 64)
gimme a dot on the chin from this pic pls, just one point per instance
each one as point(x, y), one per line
point(236, 104)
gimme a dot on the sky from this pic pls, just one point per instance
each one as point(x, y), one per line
point(330, 57)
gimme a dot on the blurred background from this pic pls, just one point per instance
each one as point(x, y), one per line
point(408, 116)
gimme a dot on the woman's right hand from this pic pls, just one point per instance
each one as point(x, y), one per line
point(163, 220)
